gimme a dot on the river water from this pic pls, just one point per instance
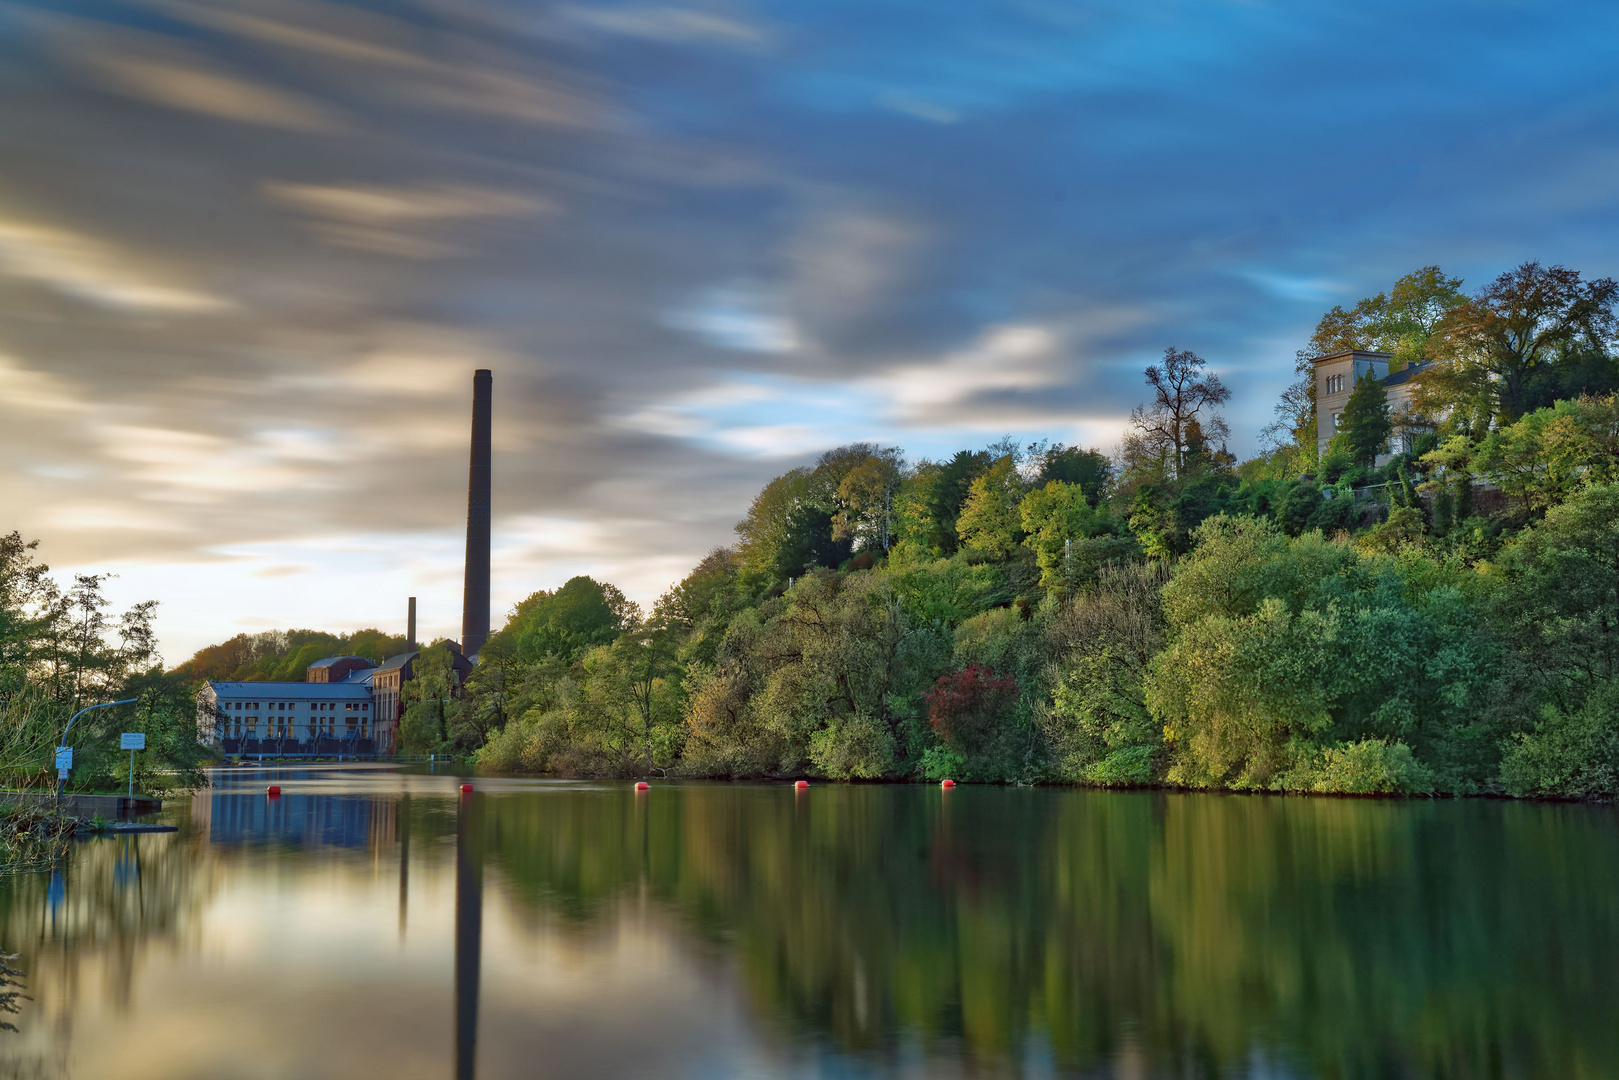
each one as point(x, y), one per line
point(373, 922)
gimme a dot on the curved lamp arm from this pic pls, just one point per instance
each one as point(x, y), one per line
point(87, 708)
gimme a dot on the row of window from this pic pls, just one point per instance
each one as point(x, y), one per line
point(1335, 384)
point(277, 727)
point(351, 706)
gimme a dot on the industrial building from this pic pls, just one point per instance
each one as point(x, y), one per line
point(349, 705)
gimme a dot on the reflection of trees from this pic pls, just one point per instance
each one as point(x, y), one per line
point(1366, 938)
point(107, 902)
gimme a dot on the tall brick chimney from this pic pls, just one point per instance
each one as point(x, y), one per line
point(475, 600)
point(410, 627)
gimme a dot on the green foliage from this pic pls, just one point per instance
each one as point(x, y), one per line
point(1192, 624)
point(1532, 335)
point(1558, 604)
point(284, 655)
point(932, 498)
point(566, 623)
point(1400, 322)
point(1128, 766)
point(432, 704)
point(1103, 643)
point(1088, 470)
point(1071, 541)
point(990, 521)
point(1569, 753)
point(59, 652)
point(1364, 426)
point(1545, 456)
point(1279, 648)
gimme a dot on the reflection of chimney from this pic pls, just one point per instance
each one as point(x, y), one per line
point(410, 627)
point(468, 932)
point(475, 600)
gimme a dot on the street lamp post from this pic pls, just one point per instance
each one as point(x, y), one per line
point(61, 774)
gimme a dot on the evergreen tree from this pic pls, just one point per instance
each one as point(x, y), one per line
point(1364, 427)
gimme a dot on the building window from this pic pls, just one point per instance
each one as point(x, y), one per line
point(1335, 420)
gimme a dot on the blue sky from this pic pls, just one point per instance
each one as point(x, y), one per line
point(251, 252)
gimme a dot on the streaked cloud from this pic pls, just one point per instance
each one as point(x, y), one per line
point(251, 251)
point(92, 270)
point(393, 220)
point(680, 25)
point(183, 83)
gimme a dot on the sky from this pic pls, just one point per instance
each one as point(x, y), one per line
point(251, 253)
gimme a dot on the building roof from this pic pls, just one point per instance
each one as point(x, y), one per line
point(1353, 352)
point(298, 691)
point(398, 661)
point(330, 660)
point(1405, 374)
point(359, 677)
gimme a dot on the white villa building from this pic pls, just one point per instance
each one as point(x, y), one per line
point(1335, 377)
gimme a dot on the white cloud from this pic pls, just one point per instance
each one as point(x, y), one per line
point(92, 270)
point(1014, 357)
point(24, 391)
point(194, 87)
point(745, 318)
point(665, 23)
point(388, 220)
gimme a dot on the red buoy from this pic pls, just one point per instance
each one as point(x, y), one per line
point(466, 789)
point(800, 785)
point(947, 783)
point(274, 792)
point(642, 785)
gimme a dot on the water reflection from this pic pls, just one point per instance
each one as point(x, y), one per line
point(376, 922)
point(468, 932)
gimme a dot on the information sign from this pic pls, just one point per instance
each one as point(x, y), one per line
point(132, 740)
point(64, 758)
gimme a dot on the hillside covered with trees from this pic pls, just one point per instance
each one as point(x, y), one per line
point(1447, 622)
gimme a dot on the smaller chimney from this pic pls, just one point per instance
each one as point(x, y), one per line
point(410, 627)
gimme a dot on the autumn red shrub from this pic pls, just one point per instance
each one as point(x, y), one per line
point(965, 706)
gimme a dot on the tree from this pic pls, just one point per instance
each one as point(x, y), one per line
point(990, 522)
point(865, 498)
point(1090, 470)
point(1364, 426)
point(430, 701)
point(1501, 348)
point(932, 497)
point(1400, 322)
point(1557, 604)
point(763, 534)
point(1070, 540)
point(1181, 391)
point(1546, 455)
point(1097, 723)
point(793, 524)
point(582, 614)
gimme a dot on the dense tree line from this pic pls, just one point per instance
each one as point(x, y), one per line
point(285, 655)
point(1445, 621)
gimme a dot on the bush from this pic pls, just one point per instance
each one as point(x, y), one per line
point(857, 747)
point(1130, 766)
point(1368, 767)
point(965, 707)
point(1569, 754)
